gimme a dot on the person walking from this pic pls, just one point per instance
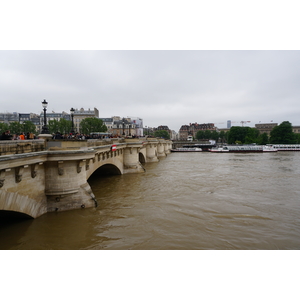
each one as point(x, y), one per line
point(22, 136)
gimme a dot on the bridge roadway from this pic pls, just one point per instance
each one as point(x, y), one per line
point(40, 176)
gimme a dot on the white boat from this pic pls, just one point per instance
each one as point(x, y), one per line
point(219, 150)
point(282, 147)
point(269, 149)
point(195, 149)
point(244, 149)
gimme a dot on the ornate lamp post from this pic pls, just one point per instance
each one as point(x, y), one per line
point(123, 123)
point(45, 128)
point(72, 110)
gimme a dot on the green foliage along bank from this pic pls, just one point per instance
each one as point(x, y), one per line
point(281, 134)
point(162, 134)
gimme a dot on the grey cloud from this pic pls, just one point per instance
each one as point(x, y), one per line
point(162, 87)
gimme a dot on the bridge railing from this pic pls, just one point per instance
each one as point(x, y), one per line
point(11, 147)
point(21, 146)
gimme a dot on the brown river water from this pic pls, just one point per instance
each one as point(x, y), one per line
point(185, 201)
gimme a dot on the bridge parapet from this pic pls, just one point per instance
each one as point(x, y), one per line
point(21, 146)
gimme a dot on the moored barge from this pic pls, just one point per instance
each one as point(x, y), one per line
point(194, 149)
point(244, 149)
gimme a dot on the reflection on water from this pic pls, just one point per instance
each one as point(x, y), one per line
point(186, 201)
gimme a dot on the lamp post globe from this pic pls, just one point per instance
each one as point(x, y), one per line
point(45, 129)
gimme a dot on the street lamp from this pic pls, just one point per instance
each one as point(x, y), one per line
point(72, 110)
point(45, 128)
point(123, 122)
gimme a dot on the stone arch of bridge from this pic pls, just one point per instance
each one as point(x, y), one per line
point(142, 158)
point(106, 170)
point(14, 202)
point(8, 215)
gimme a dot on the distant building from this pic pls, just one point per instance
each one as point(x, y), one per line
point(108, 122)
point(148, 131)
point(118, 126)
point(9, 117)
point(229, 124)
point(265, 127)
point(21, 118)
point(174, 135)
point(138, 125)
point(51, 116)
point(165, 128)
point(24, 117)
point(296, 129)
point(193, 128)
point(34, 118)
point(223, 129)
point(184, 132)
point(80, 114)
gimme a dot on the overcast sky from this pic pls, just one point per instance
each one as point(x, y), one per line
point(170, 88)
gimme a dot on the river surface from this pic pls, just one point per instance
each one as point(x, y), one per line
point(185, 201)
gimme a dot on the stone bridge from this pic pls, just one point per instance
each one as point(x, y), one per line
point(41, 176)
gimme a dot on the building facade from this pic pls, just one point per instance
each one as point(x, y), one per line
point(34, 118)
point(164, 128)
point(265, 127)
point(138, 125)
point(9, 117)
point(80, 114)
point(118, 126)
point(193, 128)
point(296, 129)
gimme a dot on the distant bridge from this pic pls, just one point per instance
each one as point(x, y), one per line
point(40, 176)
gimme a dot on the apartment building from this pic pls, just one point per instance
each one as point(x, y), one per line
point(80, 114)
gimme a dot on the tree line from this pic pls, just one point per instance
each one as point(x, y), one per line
point(62, 126)
point(280, 134)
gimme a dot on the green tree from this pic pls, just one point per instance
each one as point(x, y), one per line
point(65, 126)
point(53, 126)
point(215, 135)
point(162, 134)
point(207, 134)
point(28, 126)
point(237, 133)
point(251, 135)
point(242, 135)
point(89, 125)
point(3, 127)
point(16, 128)
point(222, 137)
point(263, 139)
point(200, 135)
point(283, 134)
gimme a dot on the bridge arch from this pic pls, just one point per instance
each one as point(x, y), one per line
point(8, 215)
point(14, 202)
point(142, 158)
point(107, 170)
